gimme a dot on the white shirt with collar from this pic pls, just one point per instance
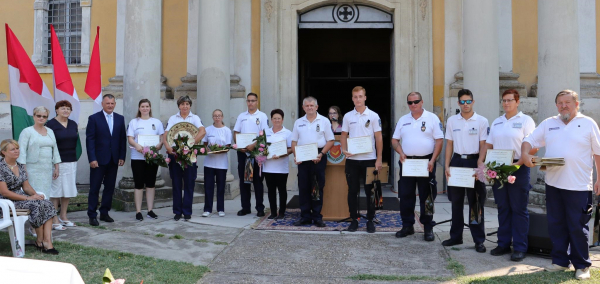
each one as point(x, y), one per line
point(508, 134)
point(306, 132)
point(191, 118)
point(358, 124)
point(418, 136)
point(466, 134)
point(219, 136)
point(251, 122)
point(576, 142)
point(281, 165)
point(111, 123)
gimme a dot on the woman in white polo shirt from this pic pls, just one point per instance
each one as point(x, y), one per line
point(216, 165)
point(276, 169)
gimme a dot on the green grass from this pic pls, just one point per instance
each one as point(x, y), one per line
point(202, 241)
point(90, 226)
point(220, 243)
point(82, 199)
point(92, 262)
point(177, 237)
point(397, 277)
point(456, 267)
point(455, 248)
point(159, 235)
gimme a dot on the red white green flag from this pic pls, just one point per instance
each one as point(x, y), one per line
point(93, 83)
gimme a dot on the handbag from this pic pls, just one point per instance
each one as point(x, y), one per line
point(429, 205)
point(376, 193)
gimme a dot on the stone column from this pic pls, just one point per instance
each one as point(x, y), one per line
point(505, 36)
point(480, 57)
point(142, 66)
point(587, 51)
point(115, 86)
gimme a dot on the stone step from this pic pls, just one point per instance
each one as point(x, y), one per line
point(159, 193)
point(129, 205)
point(232, 189)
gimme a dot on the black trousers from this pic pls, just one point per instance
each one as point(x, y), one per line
point(277, 182)
point(408, 198)
point(257, 181)
point(309, 208)
point(107, 175)
point(457, 197)
point(356, 170)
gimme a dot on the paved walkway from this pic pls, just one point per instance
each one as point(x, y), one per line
point(235, 252)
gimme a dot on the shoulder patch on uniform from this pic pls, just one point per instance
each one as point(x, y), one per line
point(488, 131)
point(380, 122)
point(441, 127)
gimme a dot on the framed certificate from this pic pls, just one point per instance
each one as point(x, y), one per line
point(277, 148)
point(307, 152)
point(500, 156)
point(415, 168)
point(244, 139)
point(148, 140)
point(461, 177)
point(360, 145)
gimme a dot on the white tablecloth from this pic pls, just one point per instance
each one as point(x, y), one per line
point(25, 271)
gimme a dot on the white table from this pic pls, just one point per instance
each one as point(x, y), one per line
point(24, 270)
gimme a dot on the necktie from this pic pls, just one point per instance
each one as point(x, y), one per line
point(110, 123)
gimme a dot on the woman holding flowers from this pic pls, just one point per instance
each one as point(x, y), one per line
point(507, 133)
point(144, 174)
point(276, 169)
point(216, 165)
point(183, 178)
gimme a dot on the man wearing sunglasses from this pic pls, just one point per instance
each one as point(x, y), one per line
point(466, 134)
point(418, 135)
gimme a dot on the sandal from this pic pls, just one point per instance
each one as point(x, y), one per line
point(52, 251)
point(66, 223)
point(58, 227)
point(38, 247)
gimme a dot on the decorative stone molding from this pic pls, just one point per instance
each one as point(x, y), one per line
point(165, 91)
point(115, 87)
point(236, 90)
point(508, 80)
point(590, 85)
point(189, 87)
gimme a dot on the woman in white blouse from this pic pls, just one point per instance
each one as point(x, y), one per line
point(276, 169)
point(216, 165)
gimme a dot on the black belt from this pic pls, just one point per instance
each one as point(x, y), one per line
point(420, 157)
point(515, 160)
point(466, 157)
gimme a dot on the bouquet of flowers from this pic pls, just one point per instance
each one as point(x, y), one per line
point(185, 150)
point(153, 157)
point(493, 172)
point(259, 154)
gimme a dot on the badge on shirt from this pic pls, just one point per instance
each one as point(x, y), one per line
point(380, 122)
point(257, 121)
point(472, 131)
point(517, 125)
point(441, 127)
point(367, 123)
point(318, 128)
point(423, 126)
point(153, 127)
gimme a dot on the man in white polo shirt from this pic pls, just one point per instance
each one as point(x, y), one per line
point(418, 135)
point(576, 138)
point(252, 121)
point(466, 133)
point(309, 129)
point(357, 123)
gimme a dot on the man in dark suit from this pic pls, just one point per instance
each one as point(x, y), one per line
point(105, 142)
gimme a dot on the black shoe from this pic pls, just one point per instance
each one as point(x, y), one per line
point(187, 217)
point(139, 217)
point(370, 226)
point(106, 218)
point(428, 236)
point(280, 216)
point(151, 215)
point(260, 214)
point(177, 217)
point(302, 222)
point(517, 256)
point(353, 226)
point(405, 231)
point(451, 242)
point(272, 216)
point(94, 222)
point(320, 224)
point(498, 251)
point(243, 212)
point(480, 247)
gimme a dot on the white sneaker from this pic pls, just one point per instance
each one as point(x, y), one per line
point(205, 214)
point(555, 267)
point(221, 214)
point(581, 274)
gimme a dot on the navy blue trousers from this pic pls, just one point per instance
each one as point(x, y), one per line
point(209, 188)
point(408, 198)
point(457, 197)
point(183, 181)
point(513, 217)
point(356, 171)
point(568, 218)
point(257, 181)
point(106, 174)
point(311, 209)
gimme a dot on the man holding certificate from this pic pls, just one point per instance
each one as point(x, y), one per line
point(312, 138)
point(466, 133)
point(250, 122)
point(418, 140)
point(363, 126)
point(507, 133)
point(576, 138)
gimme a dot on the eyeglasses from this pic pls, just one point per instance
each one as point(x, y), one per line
point(332, 113)
point(508, 100)
point(251, 101)
point(41, 116)
point(462, 102)
point(410, 103)
point(217, 116)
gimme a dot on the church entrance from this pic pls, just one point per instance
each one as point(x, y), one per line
point(333, 61)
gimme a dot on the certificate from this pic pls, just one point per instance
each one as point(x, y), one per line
point(277, 148)
point(244, 139)
point(307, 152)
point(360, 145)
point(415, 168)
point(461, 177)
point(148, 140)
point(500, 156)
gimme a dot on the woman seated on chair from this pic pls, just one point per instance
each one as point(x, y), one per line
point(15, 187)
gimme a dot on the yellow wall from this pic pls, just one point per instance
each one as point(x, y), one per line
point(174, 41)
point(525, 41)
point(438, 56)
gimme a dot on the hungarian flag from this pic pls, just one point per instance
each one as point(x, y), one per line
point(27, 90)
point(63, 86)
point(93, 83)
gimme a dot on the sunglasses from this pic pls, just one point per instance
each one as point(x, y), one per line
point(462, 102)
point(410, 103)
point(41, 116)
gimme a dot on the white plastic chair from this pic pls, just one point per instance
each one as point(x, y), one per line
point(15, 225)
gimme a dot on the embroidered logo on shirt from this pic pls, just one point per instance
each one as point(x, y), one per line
point(498, 123)
point(456, 130)
point(517, 125)
point(406, 124)
point(368, 123)
point(423, 126)
point(301, 125)
point(318, 128)
point(153, 127)
point(380, 122)
point(257, 121)
point(553, 128)
point(354, 122)
point(244, 119)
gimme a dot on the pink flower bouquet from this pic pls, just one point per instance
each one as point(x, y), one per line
point(492, 172)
